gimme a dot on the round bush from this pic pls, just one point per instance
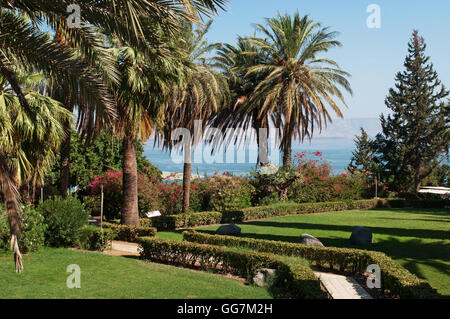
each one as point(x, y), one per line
point(32, 230)
point(64, 219)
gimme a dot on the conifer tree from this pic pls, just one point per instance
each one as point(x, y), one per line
point(363, 158)
point(411, 144)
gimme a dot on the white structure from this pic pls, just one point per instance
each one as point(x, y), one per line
point(153, 214)
point(435, 190)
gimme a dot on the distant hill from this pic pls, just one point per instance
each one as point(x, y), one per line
point(348, 128)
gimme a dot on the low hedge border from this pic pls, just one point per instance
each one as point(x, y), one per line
point(130, 233)
point(182, 221)
point(173, 222)
point(398, 280)
point(94, 238)
point(293, 280)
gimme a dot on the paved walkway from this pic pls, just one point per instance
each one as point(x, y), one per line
point(122, 248)
point(342, 287)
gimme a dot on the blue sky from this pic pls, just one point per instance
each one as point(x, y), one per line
point(372, 56)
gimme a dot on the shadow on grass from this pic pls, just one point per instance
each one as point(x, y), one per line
point(421, 211)
point(444, 220)
point(419, 233)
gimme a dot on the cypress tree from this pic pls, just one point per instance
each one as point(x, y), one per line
point(411, 144)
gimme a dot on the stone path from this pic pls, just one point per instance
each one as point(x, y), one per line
point(342, 287)
point(122, 248)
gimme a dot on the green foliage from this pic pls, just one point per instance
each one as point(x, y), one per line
point(172, 222)
point(268, 186)
point(150, 190)
point(363, 158)
point(129, 233)
point(32, 236)
point(224, 193)
point(319, 185)
point(64, 218)
point(243, 264)
point(94, 238)
point(284, 209)
point(102, 154)
point(412, 143)
point(395, 278)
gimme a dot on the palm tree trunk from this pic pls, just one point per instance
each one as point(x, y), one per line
point(11, 196)
point(186, 186)
point(261, 140)
point(64, 179)
point(287, 159)
point(187, 178)
point(287, 154)
point(130, 209)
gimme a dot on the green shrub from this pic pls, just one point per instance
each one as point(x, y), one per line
point(294, 281)
point(94, 238)
point(173, 222)
point(395, 278)
point(129, 233)
point(284, 209)
point(32, 230)
point(64, 218)
point(223, 193)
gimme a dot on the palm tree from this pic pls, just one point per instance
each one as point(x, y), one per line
point(234, 61)
point(122, 20)
point(28, 139)
point(193, 101)
point(146, 80)
point(300, 85)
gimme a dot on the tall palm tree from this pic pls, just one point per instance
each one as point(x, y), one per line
point(120, 19)
point(300, 85)
point(28, 139)
point(234, 61)
point(146, 80)
point(193, 101)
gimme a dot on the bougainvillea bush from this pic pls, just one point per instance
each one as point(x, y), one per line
point(154, 193)
point(319, 185)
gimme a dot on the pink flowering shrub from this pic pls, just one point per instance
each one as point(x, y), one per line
point(319, 185)
point(153, 194)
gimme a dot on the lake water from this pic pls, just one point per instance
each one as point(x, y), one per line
point(337, 151)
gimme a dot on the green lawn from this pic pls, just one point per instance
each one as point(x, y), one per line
point(418, 239)
point(107, 277)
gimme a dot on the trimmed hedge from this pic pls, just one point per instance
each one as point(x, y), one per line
point(262, 212)
point(180, 221)
point(403, 203)
point(395, 278)
point(293, 281)
point(173, 222)
point(130, 233)
point(94, 238)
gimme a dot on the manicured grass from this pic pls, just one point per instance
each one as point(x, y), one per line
point(418, 239)
point(107, 277)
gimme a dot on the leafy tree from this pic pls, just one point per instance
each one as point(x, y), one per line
point(411, 144)
point(30, 131)
point(88, 161)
